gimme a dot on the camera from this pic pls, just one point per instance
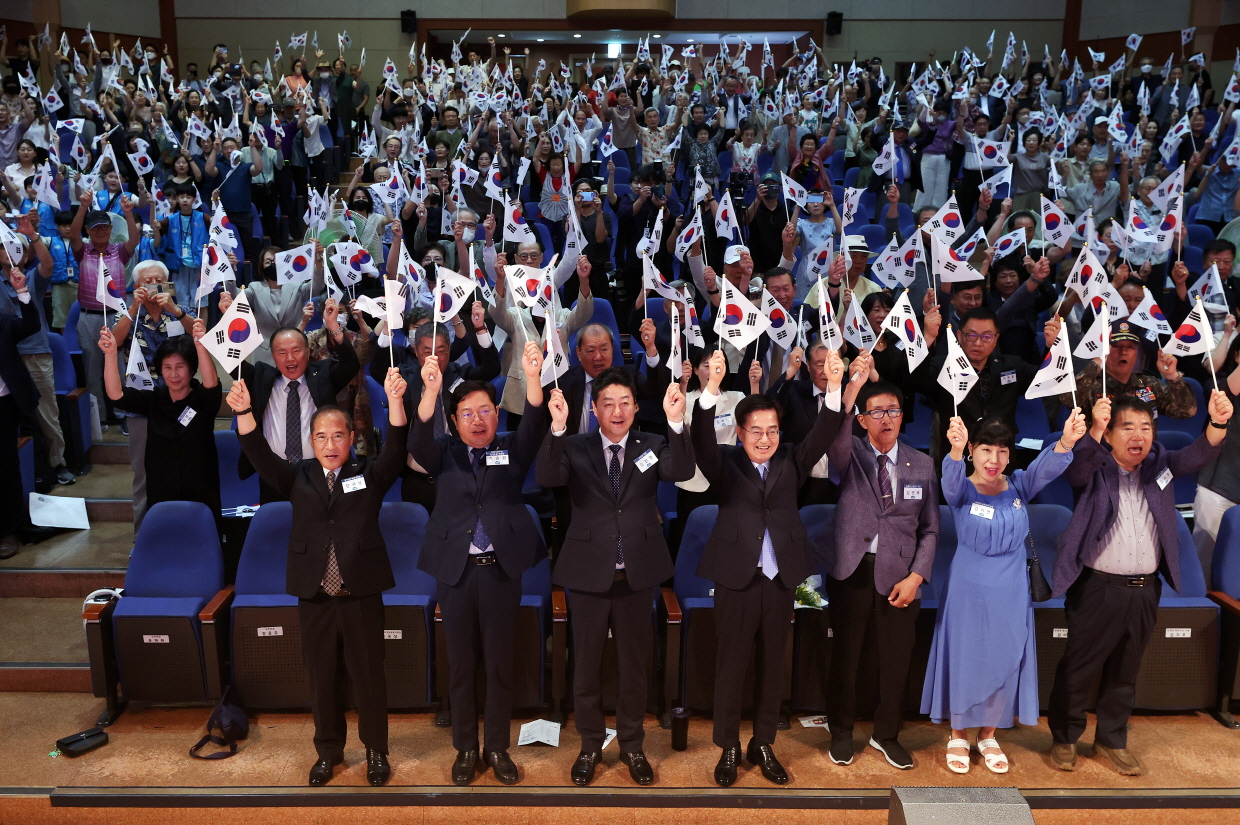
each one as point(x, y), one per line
point(658, 191)
point(587, 197)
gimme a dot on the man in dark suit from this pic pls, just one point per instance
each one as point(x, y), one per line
point(757, 554)
point(286, 396)
point(613, 556)
point(595, 351)
point(338, 568)
point(1121, 536)
point(802, 400)
point(479, 540)
point(416, 485)
point(18, 395)
point(886, 532)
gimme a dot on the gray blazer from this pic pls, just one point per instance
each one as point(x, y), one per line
point(908, 532)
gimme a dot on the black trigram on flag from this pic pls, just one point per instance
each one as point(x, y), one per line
point(219, 337)
point(1061, 362)
point(458, 291)
point(1093, 345)
point(243, 308)
point(751, 319)
point(735, 333)
point(233, 352)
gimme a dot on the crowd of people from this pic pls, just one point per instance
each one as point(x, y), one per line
point(755, 231)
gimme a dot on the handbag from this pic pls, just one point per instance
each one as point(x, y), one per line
point(80, 743)
point(1039, 587)
point(233, 725)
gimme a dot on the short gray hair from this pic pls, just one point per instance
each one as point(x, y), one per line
point(143, 266)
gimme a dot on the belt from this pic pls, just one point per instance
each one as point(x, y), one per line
point(91, 311)
point(621, 575)
point(1120, 580)
point(483, 559)
point(340, 592)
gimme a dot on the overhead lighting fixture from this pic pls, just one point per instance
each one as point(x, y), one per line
point(541, 39)
point(613, 50)
point(501, 35)
point(656, 36)
point(577, 35)
point(690, 39)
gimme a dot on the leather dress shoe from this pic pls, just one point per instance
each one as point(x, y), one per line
point(378, 771)
point(464, 766)
point(1063, 756)
point(321, 772)
point(764, 757)
point(8, 547)
point(583, 768)
point(725, 770)
point(639, 768)
point(501, 763)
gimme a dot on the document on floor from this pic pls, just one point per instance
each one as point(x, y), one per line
point(812, 721)
point(540, 731)
point(58, 511)
point(611, 734)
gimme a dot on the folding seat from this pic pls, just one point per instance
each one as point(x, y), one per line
point(73, 403)
point(234, 492)
point(408, 609)
point(1226, 594)
point(1193, 426)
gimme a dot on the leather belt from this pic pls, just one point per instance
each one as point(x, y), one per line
point(483, 559)
point(1121, 580)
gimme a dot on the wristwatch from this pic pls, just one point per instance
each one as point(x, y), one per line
point(1214, 423)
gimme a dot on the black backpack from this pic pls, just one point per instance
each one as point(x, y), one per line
point(233, 724)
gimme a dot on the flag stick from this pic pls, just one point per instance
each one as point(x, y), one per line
point(203, 298)
point(1213, 375)
point(103, 269)
point(1106, 346)
point(551, 327)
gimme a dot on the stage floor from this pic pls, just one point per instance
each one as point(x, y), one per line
point(1191, 765)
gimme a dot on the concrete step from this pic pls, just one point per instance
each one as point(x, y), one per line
point(109, 453)
point(44, 645)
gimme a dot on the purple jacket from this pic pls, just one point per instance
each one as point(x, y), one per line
point(1094, 475)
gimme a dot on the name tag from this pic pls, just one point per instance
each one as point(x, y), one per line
point(186, 416)
point(912, 492)
point(646, 460)
point(497, 458)
point(723, 420)
point(983, 510)
point(352, 485)
point(1008, 377)
point(1165, 479)
point(458, 382)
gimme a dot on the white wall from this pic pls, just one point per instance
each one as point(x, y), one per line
point(1107, 18)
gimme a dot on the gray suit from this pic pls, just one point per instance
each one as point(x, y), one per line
point(276, 308)
point(859, 582)
point(518, 323)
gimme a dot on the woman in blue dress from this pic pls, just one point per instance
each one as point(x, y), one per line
point(983, 669)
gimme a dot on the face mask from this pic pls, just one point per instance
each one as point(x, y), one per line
point(940, 118)
point(150, 55)
point(324, 75)
point(1146, 69)
point(468, 235)
point(269, 272)
point(259, 77)
point(360, 205)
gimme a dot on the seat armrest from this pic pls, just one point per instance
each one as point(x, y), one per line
point(438, 613)
point(672, 606)
point(219, 604)
point(95, 612)
point(1224, 601)
point(75, 394)
point(559, 605)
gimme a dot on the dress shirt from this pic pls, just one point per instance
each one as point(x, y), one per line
point(607, 443)
point(767, 562)
point(1130, 546)
point(274, 416)
point(891, 473)
point(832, 400)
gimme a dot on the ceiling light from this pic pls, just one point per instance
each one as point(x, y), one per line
point(576, 35)
point(502, 35)
point(613, 50)
point(690, 39)
point(541, 39)
point(656, 36)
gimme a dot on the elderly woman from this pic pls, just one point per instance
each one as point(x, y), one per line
point(153, 317)
point(179, 454)
point(983, 669)
point(1030, 172)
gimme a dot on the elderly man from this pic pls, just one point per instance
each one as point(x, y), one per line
point(286, 396)
point(846, 278)
point(738, 268)
point(1121, 537)
point(152, 318)
point(1108, 198)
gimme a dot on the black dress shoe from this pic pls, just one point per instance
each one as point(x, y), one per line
point(725, 770)
point(583, 768)
point(639, 768)
point(464, 766)
point(501, 763)
point(321, 772)
point(841, 751)
point(764, 757)
point(378, 771)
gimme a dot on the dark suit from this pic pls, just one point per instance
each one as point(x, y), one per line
point(417, 486)
point(749, 604)
point(325, 379)
point(799, 398)
point(480, 600)
point(602, 597)
point(650, 387)
point(1110, 618)
point(23, 397)
point(348, 626)
point(859, 582)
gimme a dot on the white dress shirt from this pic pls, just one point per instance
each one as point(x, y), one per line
point(274, 416)
point(831, 399)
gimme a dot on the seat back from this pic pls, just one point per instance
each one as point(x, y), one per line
point(403, 525)
point(70, 333)
point(945, 551)
point(875, 235)
point(1192, 577)
point(1046, 522)
point(62, 364)
point(378, 404)
point(603, 314)
point(1185, 486)
point(234, 490)
point(264, 556)
point(1225, 567)
point(177, 553)
point(1193, 426)
point(819, 521)
point(687, 583)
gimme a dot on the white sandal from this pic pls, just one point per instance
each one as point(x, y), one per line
point(955, 762)
point(993, 759)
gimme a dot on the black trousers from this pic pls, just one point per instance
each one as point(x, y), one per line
point(967, 194)
point(1109, 626)
point(853, 605)
point(417, 488)
point(13, 512)
point(479, 622)
point(339, 635)
point(760, 612)
point(243, 220)
point(265, 198)
point(627, 614)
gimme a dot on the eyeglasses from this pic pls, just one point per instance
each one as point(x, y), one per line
point(529, 256)
point(483, 414)
point(465, 225)
point(984, 337)
point(877, 415)
point(771, 434)
point(337, 439)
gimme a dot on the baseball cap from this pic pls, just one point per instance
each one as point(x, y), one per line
point(899, 126)
point(770, 177)
point(1100, 119)
point(732, 254)
point(1123, 331)
point(97, 217)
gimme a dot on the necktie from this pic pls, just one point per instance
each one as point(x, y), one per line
point(768, 564)
point(441, 426)
point(292, 423)
point(333, 583)
point(613, 474)
point(480, 540)
point(899, 166)
point(591, 422)
point(884, 481)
